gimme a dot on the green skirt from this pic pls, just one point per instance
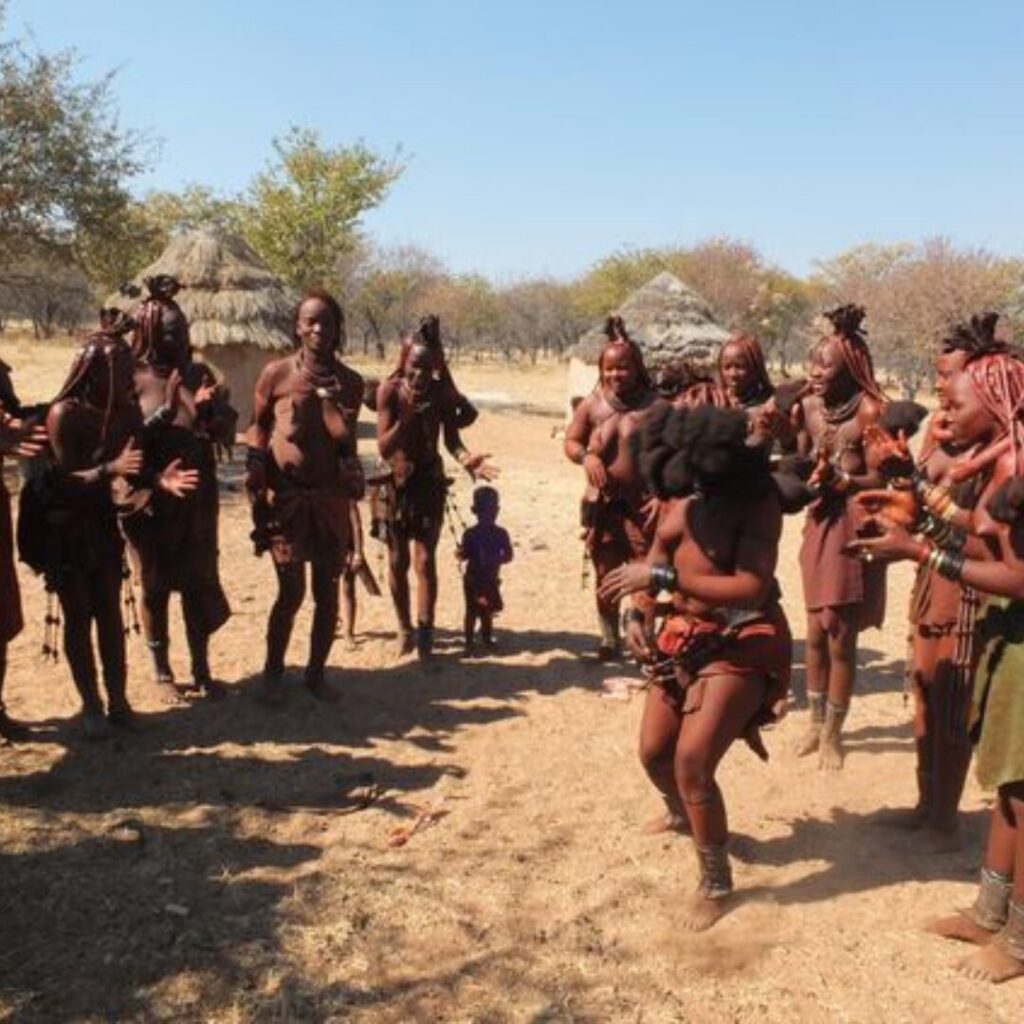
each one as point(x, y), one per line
point(997, 712)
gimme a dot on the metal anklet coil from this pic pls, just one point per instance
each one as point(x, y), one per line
point(1011, 937)
point(991, 905)
point(715, 871)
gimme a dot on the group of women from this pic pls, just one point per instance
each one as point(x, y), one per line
point(687, 482)
point(122, 462)
point(688, 478)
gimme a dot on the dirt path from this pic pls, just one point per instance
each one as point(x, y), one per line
point(218, 866)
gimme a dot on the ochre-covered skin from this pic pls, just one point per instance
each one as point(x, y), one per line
point(302, 476)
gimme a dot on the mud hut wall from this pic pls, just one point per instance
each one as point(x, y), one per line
point(238, 366)
point(582, 378)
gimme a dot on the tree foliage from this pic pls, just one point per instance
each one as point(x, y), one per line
point(915, 293)
point(302, 213)
point(66, 160)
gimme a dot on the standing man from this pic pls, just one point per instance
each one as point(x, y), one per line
point(301, 475)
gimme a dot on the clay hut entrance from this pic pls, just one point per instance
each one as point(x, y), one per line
point(667, 319)
point(239, 312)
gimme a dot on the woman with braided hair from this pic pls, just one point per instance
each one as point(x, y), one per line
point(742, 373)
point(982, 549)
point(416, 411)
point(744, 383)
point(93, 427)
point(174, 544)
point(942, 614)
point(720, 664)
point(617, 511)
point(842, 596)
point(428, 334)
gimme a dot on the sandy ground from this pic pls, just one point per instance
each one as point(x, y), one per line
point(216, 867)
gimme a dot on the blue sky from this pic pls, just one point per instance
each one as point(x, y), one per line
point(541, 136)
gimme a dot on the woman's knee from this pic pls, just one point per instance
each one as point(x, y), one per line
point(693, 770)
point(842, 639)
point(655, 753)
point(424, 560)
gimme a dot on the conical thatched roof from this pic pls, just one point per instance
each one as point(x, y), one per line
point(230, 296)
point(667, 319)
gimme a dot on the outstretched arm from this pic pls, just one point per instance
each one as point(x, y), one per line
point(475, 464)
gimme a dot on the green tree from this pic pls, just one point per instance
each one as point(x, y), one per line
point(144, 228)
point(65, 159)
point(610, 280)
point(302, 214)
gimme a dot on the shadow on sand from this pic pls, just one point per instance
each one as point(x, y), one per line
point(98, 909)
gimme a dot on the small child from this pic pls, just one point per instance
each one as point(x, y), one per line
point(485, 548)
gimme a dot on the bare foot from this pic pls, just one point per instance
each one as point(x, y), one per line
point(667, 822)
point(699, 913)
point(607, 652)
point(349, 644)
point(405, 644)
point(991, 963)
point(960, 928)
point(830, 755)
point(169, 692)
point(810, 741)
point(123, 716)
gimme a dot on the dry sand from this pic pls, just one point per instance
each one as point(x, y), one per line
point(216, 868)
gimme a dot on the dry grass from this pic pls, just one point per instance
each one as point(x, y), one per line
point(213, 868)
point(230, 295)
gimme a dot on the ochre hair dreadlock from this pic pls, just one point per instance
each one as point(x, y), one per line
point(976, 337)
point(619, 341)
point(998, 381)
point(753, 354)
point(853, 348)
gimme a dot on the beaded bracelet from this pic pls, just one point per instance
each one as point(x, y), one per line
point(663, 577)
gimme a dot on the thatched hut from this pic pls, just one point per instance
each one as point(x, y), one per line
point(667, 319)
point(239, 312)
